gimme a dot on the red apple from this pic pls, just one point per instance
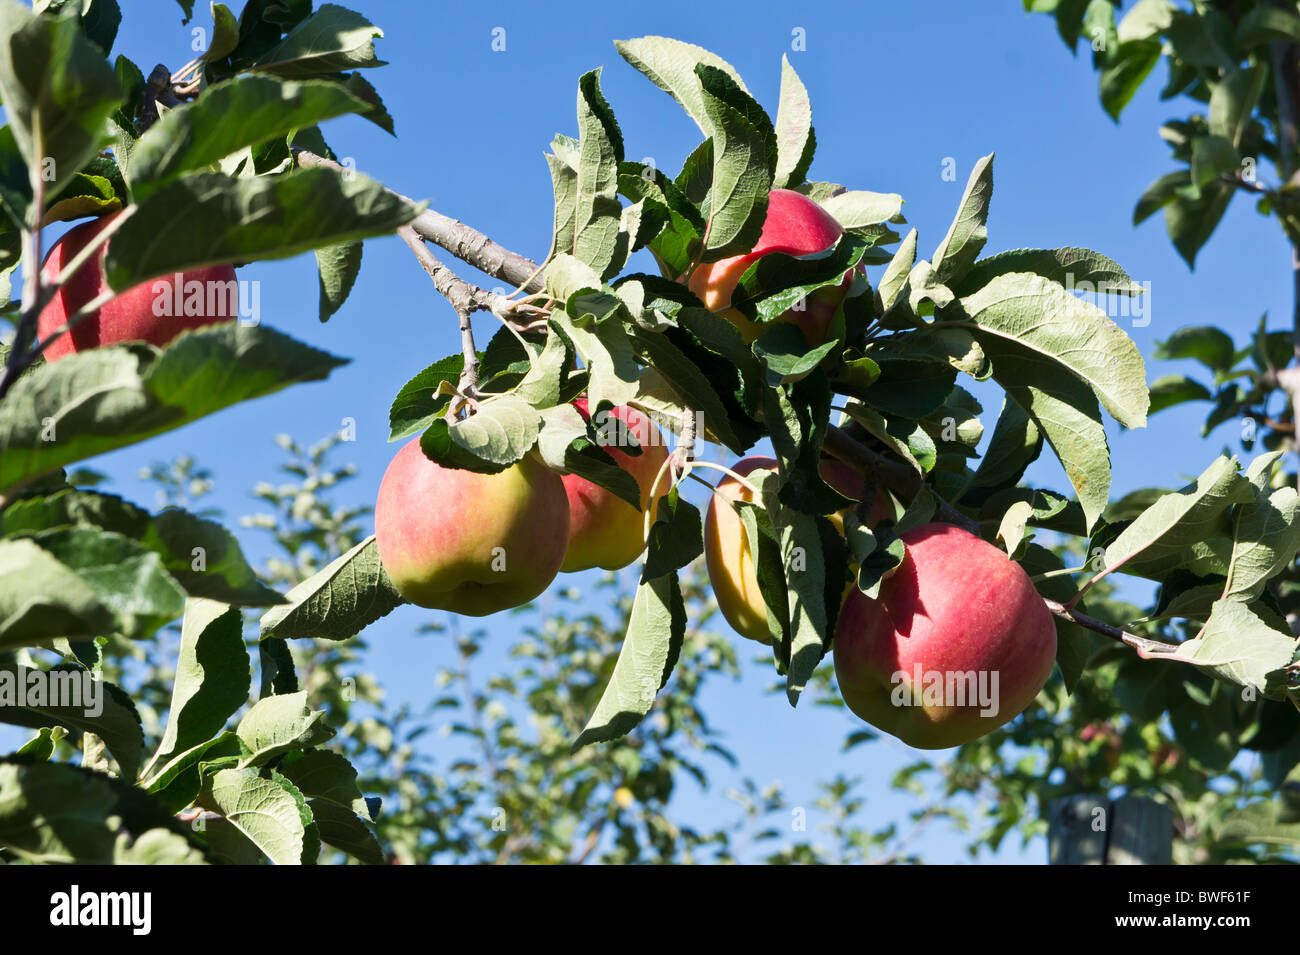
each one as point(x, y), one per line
point(957, 644)
point(604, 530)
point(147, 312)
point(466, 542)
point(795, 225)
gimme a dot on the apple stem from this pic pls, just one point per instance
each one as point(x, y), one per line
point(731, 474)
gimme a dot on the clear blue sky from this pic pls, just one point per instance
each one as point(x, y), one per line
point(896, 88)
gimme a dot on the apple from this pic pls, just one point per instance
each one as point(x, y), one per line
point(604, 530)
point(208, 295)
point(726, 545)
point(795, 225)
point(466, 542)
point(957, 643)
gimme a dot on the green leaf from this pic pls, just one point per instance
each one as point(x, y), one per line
point(321, 774)
point(675, 537)
point(597, 209)
point(968, 232)
point(92, 402)
point(900, 266)
point(1233, 100)
point(1191, 222)
point(213, 677)
point(1125, 72)
point(670, 64)
point(1177, 520)
point(422, 399)
point(1059, 329)
point(1170, 390)
point(1160, 193)
point(331, 39)
point(337, 267)
point(1076, 269)
point(269, 812)
point(1266, 533)
point(785, 352)
point(81, 813)
point(497, 435)
point(795, 138)
point(806, 578)
point(1211, 346)
point(656, 628)
point(1240, 646)
point(58, 91)
point(1268, 24)
point(743, 157)
point(211, 219)
point(230, 116)
point(857, 208)
point(338, 601)
point(275, 725)
point(1261, 823)
point(42, 598)
point(129, 579)
point(77, 699)
point(202, 555)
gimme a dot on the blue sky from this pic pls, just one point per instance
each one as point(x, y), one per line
point(897, 88)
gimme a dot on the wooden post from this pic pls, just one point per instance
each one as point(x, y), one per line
point(1093, 830)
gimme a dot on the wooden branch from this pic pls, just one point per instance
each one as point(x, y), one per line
point(467, 244)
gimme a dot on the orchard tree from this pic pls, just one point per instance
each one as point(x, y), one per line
point(775, 301)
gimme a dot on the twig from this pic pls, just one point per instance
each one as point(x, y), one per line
point(467, 244)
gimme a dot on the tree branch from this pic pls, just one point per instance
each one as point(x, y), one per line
point(467, 244)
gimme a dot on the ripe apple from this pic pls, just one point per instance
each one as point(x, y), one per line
point(604, 530)
point(207, 296)
point(466, 542)
point(957, 644)
point(795, 225)
point(726, 545)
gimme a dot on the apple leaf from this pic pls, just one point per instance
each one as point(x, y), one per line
point(1176, 521)
point(230, 116)
point(858, 208)
point(679, 240)
point(765, 551)
point(688, 386)
point(675, 537)
point(268, 811)
point(210, 219)
point(563, 161)
point(1073, 268)
point(324, 775)
point(275, 725)
point(113, 718)
point(57, 89)
point(422, 399)
point(1238, 645)
point(1016, 443)
point(338, 601)
point(330, 40)
point(795, 138)
point(776, 283)
point(894, 280)
point(1267, 822)
point(1059, 329)
point(1210, 346)
point(600, 150)
point(498, 434)
point(566, 444)
point(656, 628)
point(671, 65)
point(202, 555)
point(806, 576)
point(213, 677)
point(337, 267)
point(1266, 533)
point(110, 397)
point(744, 154)
point(968, 232)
